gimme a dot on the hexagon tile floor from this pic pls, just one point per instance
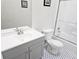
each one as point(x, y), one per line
point(69, 52)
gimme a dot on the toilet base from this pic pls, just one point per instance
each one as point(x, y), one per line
point(53, 50)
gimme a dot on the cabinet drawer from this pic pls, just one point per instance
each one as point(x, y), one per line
point(37, 42)
point(34, 47)
point(14, 52)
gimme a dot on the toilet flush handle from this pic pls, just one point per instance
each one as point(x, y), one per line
point(58, 29)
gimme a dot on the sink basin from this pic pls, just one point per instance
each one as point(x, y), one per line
point(10, 38)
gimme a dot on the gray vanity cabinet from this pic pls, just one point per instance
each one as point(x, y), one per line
point(26, 46)
point(30, 50)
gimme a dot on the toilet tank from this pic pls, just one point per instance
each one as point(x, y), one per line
point(48, 33)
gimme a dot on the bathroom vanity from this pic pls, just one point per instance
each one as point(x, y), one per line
point(28, 45)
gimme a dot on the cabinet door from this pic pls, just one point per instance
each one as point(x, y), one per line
point(19, 52)
point(36, 52)
point(21, 56)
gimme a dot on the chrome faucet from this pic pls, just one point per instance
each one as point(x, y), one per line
point(19, 31)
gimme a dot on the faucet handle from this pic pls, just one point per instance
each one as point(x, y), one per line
point(19, 31)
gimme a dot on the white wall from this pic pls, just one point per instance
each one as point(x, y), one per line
point(13, 15)
point(43, 17)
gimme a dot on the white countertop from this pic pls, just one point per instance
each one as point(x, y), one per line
point(10, 39)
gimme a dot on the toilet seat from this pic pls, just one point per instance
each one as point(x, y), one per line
point(55, 43)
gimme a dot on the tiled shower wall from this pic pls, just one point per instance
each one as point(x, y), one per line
point(66, 26)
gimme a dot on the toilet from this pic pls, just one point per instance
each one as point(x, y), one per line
point(52, 44)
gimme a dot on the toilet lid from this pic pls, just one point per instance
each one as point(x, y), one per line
point(55, 43)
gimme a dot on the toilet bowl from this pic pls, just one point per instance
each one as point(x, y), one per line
point(53, 45)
